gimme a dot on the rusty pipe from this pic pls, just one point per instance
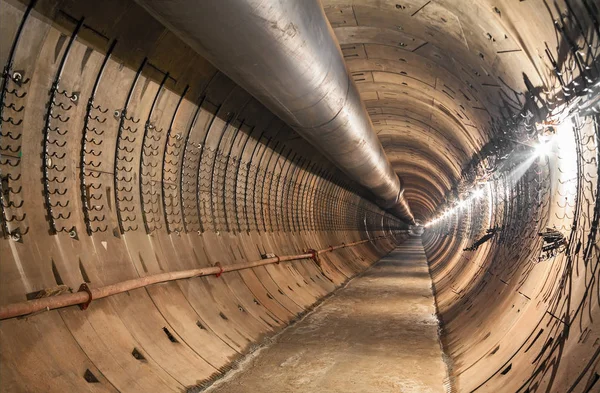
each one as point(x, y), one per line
point(71, 299)
point(285, 54)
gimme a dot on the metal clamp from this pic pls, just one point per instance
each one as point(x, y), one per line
point(315, 257)
point(218, 264)
point(84, 288)
point(314, 254)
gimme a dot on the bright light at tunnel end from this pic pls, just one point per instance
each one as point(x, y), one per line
point(541, 150)
point(475, 194)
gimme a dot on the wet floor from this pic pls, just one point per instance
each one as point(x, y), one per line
point(378, 334)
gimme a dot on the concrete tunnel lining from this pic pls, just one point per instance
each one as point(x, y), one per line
point(124, 154)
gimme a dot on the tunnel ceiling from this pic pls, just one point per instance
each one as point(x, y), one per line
point(437, 76)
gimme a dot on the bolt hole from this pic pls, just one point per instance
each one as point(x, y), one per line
point(90, 377)
point(170, 335)
point(138, 355)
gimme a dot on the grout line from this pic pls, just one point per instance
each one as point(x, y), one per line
point(417, 11)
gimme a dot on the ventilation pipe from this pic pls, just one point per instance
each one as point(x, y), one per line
point(285, 54)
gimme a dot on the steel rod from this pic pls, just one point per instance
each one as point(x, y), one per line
point(70, 299)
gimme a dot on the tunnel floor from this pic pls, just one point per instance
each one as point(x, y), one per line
point(377, 334)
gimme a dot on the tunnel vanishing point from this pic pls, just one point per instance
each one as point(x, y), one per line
point(300, 196)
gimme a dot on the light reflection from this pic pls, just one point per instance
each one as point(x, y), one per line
point(563, 139)
point(543, 149)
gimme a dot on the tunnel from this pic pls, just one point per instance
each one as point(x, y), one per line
point(300, 196)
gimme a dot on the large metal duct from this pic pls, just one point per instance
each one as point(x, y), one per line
point(285, 54)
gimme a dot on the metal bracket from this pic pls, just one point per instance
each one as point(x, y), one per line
point(84, 288)
point(218, 264)
point(314, 256)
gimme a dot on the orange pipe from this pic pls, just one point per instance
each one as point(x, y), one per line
point(70, 299)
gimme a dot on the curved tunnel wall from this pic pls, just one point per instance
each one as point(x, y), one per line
point(188, 170)
point(125, 154)
point(520, 313)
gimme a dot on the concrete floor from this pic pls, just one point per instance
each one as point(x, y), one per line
point(378, 334)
